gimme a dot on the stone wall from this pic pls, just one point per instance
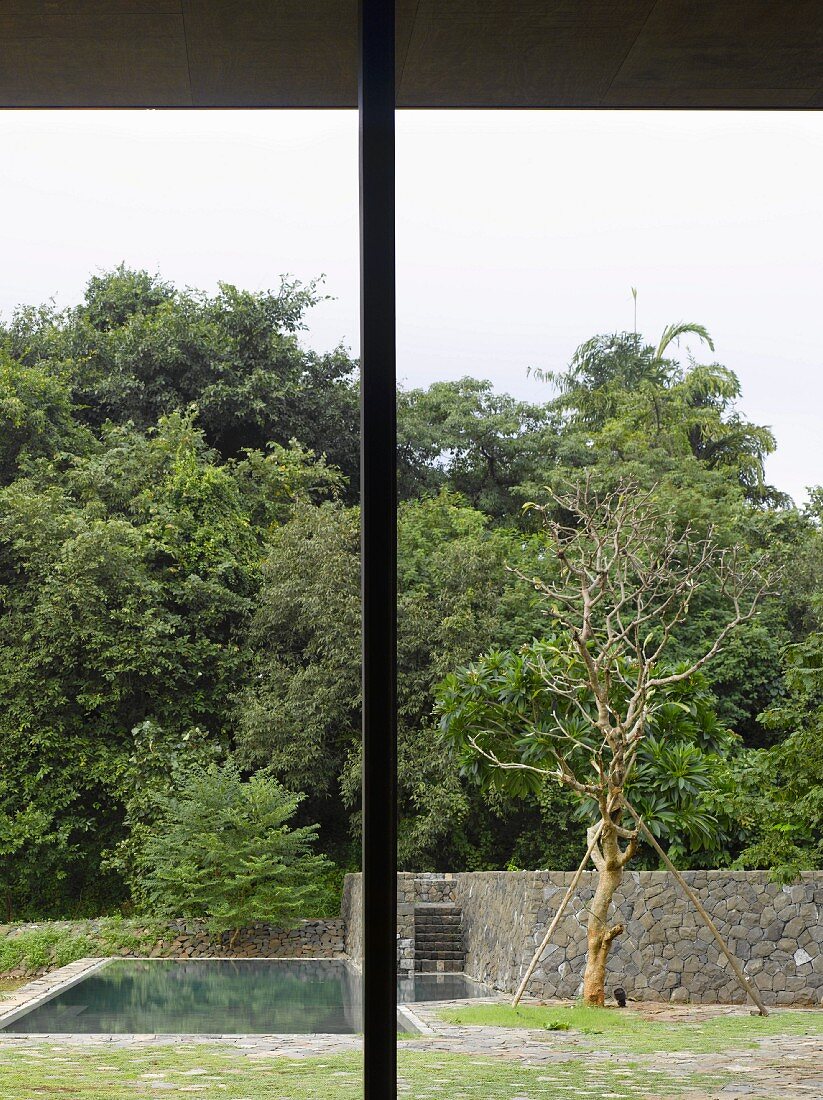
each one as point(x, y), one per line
point(411, 890)
point(666, 952)
point(309, 939)
point(406, 894)
point(351, 910)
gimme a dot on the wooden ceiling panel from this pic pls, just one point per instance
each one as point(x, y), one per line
point(280, 54)
point(92, 54)
point(473, 54)
point(266, 53)
point(450, 53)
point(69, 11)
point(739, 53)
point(708, 97)
point(758, 24)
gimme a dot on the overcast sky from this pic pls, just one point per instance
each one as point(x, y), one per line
point(520, 234)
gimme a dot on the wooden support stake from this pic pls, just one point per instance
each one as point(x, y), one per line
point(556, 920)
point(695, 900)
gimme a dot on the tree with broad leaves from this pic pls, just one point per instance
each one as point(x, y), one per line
point(579, 707)
point(780, 799)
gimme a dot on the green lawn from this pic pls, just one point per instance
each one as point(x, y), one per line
point(618, 1067)
point(96, 1073)
point(626, 1030)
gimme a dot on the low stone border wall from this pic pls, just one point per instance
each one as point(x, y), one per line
point(411, 890)
point(666, 952)
point(192, 940)
point(310, 939)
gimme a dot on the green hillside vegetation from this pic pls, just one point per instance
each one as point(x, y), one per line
point(179, 585)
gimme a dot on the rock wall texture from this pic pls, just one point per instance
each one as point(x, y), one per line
point(351, 910)
point(310, 939)
point(666, 952)
point(412, 889)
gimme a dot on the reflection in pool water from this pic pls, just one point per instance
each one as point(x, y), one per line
point(227, 997)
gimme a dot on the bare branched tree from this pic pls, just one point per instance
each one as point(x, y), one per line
point(625, 579)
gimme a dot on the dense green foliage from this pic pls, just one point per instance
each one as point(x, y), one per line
point(300, 711)
point(781, 803)
point(137, 349)
point(179, 579)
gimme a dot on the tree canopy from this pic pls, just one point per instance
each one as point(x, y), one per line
point(179, 578)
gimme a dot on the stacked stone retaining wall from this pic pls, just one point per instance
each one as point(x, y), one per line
point(666, 952)
point(309, 939)
point(412, 889)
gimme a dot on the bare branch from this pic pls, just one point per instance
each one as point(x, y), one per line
point(562, 773)
point(625, 579)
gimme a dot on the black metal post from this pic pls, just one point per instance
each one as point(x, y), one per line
point(378, 501)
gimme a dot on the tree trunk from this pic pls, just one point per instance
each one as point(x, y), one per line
point(609, 863)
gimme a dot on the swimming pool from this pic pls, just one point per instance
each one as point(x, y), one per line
point(223, 996)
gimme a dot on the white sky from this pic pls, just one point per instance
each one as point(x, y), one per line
point(520, 234)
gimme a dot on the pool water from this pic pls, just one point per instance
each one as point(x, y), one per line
point(224, 997)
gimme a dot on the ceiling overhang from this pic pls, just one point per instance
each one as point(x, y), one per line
point(450, 53)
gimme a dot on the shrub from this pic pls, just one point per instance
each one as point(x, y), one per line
point(222, 850)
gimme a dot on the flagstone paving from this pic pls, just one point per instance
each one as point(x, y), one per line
point(789, 1067)
point(777, 1067)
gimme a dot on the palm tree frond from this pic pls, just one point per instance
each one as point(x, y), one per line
point(672, 333)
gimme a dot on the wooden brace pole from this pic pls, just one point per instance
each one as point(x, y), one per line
point(695, 900)
point(556, 919)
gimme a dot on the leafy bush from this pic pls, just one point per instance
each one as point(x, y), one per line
point(781, 800)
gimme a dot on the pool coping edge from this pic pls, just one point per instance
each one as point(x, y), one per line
point(41, 990)
point(45, 988)
point(413, 1024)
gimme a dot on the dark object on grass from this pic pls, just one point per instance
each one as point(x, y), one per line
point(620, 997)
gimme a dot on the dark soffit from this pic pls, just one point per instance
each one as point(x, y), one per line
point(451, 53)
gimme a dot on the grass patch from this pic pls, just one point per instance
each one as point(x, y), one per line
point(53, 946)
point(44, 947)
point(106, 1073)
point(8, 985)
point(626, 1030)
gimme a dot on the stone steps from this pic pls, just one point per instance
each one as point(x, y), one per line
point(439, 966)
point(438, 938)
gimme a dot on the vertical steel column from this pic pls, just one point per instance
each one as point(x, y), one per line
point(378, 501)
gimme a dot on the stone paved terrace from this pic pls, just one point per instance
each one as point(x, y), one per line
point(779, 1067)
